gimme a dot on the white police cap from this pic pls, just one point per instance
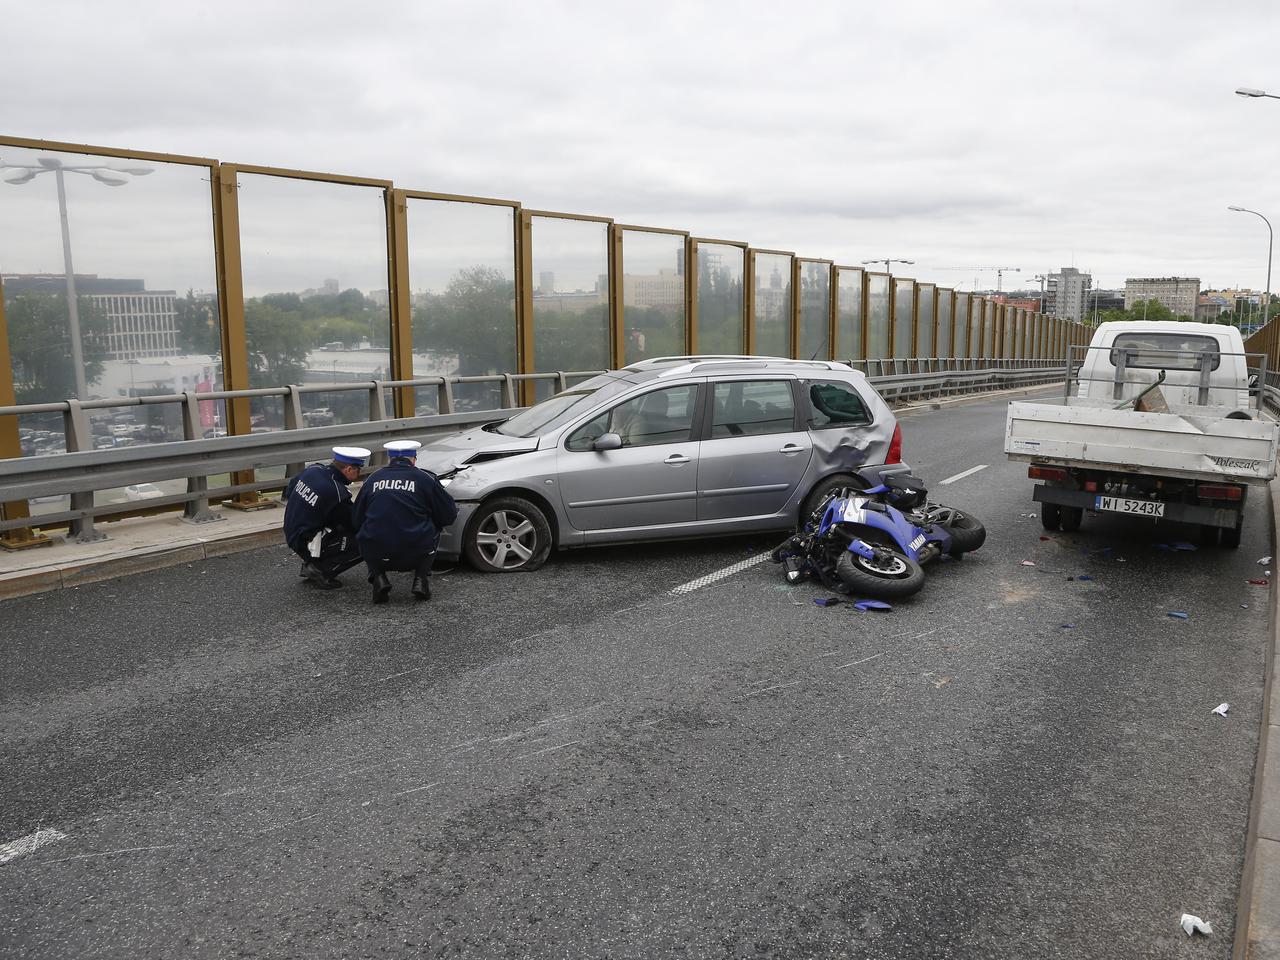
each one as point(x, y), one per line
point(401, 448)
point(354, 455)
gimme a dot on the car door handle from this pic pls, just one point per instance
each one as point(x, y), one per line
point(791, 448)
point(676, 458)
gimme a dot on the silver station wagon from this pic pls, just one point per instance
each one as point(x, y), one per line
point(663, 449)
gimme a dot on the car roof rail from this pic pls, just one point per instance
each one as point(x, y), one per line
point(675, 366)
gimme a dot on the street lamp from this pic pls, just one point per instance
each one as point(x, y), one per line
point(1253, 92)
point(1270, 239)
point(103, 174)
point(886, 263)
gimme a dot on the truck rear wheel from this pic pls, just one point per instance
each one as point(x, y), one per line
point(1071, 517)
point(1230, 537)
point(1050, 516)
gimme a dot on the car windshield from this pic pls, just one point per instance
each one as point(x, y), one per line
point(560, 409)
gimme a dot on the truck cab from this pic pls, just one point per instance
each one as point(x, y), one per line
point(1204, 364)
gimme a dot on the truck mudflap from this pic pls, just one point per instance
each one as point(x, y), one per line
point(1209, 516)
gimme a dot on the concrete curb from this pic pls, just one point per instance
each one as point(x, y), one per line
point(1258, 910)
point(43, 579)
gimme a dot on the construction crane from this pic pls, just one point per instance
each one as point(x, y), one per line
point(999, 272)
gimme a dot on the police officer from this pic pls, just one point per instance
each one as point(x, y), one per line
point(318, 522)
point(399, 515)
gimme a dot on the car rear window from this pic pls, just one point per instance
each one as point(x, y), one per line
point(1165, 351)
point(834, 404)
point(747, 408)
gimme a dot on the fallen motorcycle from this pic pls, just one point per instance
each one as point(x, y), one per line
point(875, 540)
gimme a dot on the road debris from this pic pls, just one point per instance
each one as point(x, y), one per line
point(872, 605)
point(1221, 709)
point(1183, 545)
point(1259, 581)
point(1069, 626)
point(828, 601)
point(1190, 924)
point(1028, 563)
point(1179, 615)
point(1263, 561)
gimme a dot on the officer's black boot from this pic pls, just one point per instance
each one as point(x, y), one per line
point(317, 576)
point(381, 587)
point(422, 586)
point(422, 578)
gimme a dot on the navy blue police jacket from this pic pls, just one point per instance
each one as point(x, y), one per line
point(401, 510)
point(315, 500)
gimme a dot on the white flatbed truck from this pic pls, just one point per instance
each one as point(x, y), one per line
point(1160, 420)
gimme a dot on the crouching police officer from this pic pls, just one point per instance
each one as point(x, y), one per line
point(399, 515)
point(318, 522)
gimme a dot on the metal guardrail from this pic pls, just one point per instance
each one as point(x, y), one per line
point(82, 470)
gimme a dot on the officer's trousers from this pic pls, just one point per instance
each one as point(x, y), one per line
point(337, 552)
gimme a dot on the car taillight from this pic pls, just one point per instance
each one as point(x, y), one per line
point(1036, 472)
point(1214, 491)
point(895, 445)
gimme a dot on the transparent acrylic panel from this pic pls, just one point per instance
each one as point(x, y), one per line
point(848, 314)
point(772, 304)
point(877, 316)
point(316, 304)
point(945, 339)
point(570, 296)
point(720, 324)
point(925, 294)
point(815, 311)
point(653, 291)
point(462, 269)
point(961, 337)
point(904, 314)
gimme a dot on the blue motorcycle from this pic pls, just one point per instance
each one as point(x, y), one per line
point(876, 539)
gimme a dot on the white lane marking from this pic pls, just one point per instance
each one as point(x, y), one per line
point(776, 686)
point(417, 789)
point(960, 476)
point(29, 844)
point(711, 578)
point(537, 753)
point(856, 662)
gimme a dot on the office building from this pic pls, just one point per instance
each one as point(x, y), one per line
point(1066, 294)
point(1179, 294)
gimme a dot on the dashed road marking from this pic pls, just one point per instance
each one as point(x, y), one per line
point(856, 662)
point(960, 476)
point(711, 578)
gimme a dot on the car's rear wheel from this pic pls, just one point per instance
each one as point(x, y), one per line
point(508, 535)
point(820, 491)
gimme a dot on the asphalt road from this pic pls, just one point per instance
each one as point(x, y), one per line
point(580, 763)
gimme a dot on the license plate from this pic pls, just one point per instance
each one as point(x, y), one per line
point(1144, 508)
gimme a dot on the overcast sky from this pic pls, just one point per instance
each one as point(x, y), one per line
point(960, 135)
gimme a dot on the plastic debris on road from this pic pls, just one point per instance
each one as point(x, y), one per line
point(1069, 626)
point(1190, 924)
point(872, 605)
point(1046, 538)
point(1221, 709)
point(1259, 581)
point(1263, 561)
point(1084, 576)
point(1028, 563)
point(828, 601)
point(1163, 546)
point(1179, 615)
point(1183, 545)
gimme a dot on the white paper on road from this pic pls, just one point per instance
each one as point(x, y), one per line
point(28, 844)
point(1263, 561)
point(1191, 924)
point(1221, 709)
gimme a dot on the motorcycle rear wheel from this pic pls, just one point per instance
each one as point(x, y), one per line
point(893, 575)
point(967, 533)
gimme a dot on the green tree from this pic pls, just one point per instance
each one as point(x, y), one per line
point(474, 318)
point(197, 325)
point(40, 345)
point(277, 342)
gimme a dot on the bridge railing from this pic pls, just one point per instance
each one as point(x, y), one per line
point(229, 462)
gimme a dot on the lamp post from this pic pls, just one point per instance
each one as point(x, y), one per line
point(886, 263)
point(103, 174)
point(1266, 302)
point(1252, 92)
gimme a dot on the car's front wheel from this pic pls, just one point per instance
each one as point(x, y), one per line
point(508, 535)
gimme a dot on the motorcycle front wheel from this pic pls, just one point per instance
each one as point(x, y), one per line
point(888, 574)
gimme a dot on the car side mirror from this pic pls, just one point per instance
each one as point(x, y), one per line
point(607, 441)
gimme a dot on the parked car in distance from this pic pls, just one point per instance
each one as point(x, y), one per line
point(668, 448)
point(142, 491)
